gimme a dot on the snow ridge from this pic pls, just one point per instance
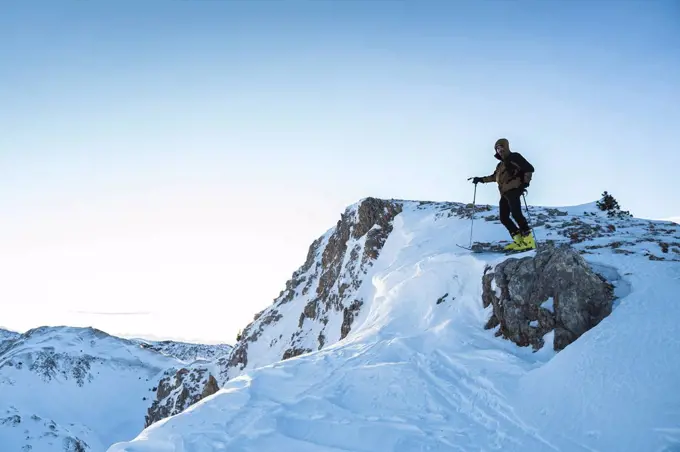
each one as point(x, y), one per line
point(418, 370)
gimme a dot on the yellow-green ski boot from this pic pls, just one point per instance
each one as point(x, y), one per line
point(528, 242)
point(517, 243)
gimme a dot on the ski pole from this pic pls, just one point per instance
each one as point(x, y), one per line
point(531, 223)
point(527, 207)
point(472, 223)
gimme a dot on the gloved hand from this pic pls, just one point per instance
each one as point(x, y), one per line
point(476, 180)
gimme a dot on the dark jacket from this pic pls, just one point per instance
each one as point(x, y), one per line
point(513, 170)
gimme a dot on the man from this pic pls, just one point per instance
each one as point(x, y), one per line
point(513, 174)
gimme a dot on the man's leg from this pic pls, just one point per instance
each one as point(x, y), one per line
point(527, 241)
point(504, 214)
point(515, 206)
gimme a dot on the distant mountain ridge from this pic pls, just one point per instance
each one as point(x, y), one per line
point(51, 377)
point(186, 351)
point(7, 335)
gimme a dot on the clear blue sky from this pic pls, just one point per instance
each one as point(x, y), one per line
point(164, 152)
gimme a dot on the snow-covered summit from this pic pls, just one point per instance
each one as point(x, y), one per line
point(381, 341)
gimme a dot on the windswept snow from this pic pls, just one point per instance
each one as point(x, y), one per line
point(419, 371)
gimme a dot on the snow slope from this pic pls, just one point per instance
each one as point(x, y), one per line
point(20, 431)
point(60, 386)
point(418, 371)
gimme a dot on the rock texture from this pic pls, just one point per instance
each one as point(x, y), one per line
point(555, 290)
point(325, 286)
point(186, 351)
point(176, 392)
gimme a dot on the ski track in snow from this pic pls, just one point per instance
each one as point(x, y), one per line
point(414, 375)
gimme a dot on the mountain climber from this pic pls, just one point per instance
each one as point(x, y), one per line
point(513, 175)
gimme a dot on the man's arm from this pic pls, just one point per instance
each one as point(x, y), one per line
point(490, 178)
point(485, 179)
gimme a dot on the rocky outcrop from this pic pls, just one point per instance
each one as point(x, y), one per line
point(177, 392)
point(554, 290)
point(323, 289)
point(348, 317)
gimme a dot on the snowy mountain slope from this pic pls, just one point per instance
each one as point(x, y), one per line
point(31, 433)
point(6, 335)
point(419, 371)
point(57, 373)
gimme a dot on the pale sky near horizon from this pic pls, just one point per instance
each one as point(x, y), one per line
point(164, 166)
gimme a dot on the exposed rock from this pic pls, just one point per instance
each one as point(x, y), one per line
point(11, 420)
point(75, 445)
point(348, 317)
point(239, 355)
point(49, 364)
point(326, 284)
point(310, 310)
point(211, 387)
point(442, 299)
point(556, 289)
point(177, 392)
point(292, 352)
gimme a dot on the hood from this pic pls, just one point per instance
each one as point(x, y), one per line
point(505, 152)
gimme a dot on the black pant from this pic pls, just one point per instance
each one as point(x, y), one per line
point(511, 203)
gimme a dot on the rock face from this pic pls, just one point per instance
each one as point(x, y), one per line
point(322, 294)
point(555, 290)
point(177, 392)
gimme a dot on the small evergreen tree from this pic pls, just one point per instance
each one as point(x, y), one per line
point(610, 205)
